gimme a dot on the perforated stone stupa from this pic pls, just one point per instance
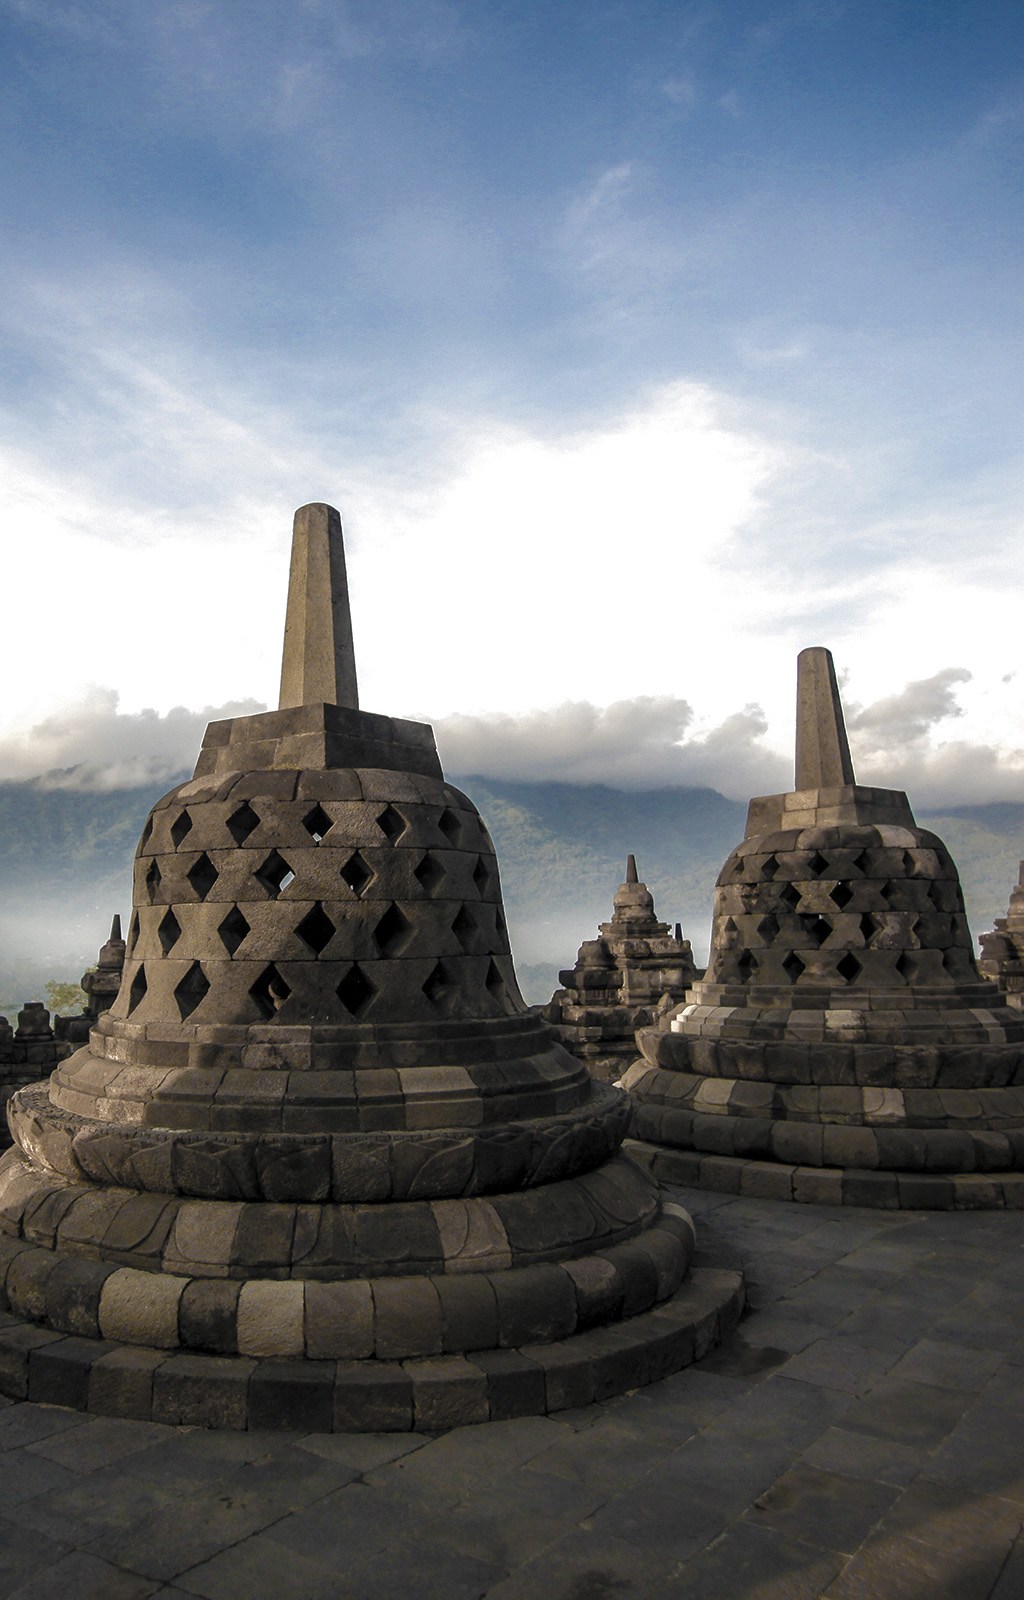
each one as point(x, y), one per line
point(634, 968)
point(318, 1167)
point(842, 1045)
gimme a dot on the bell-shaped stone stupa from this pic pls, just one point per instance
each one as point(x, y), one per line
point(621, 979)
point(842, 1046)
point(1002, 950)
point(318, 1167)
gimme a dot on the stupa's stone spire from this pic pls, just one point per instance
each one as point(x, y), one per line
point(822, 749)
point(1002, 949)
point(620, 982)
point(318, 661)
point(318, 1165)
point(842, 1045)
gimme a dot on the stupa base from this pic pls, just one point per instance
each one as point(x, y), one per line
point(831, 1186)
point(431, 1393)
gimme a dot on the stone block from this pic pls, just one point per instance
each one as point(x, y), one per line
point(298, 1395)
point(339, 1320)
point(27, 1277)
point(202, 1391)
point(600, 1293)
point(372, 1396)
point(121, 1382)
point(763, 1181)
point(818, 1186)
point(271, 1317)
point(448, 1392)
point(58, 1374)
point(469, 1311)
point(73, 1293)
point(871, 1189)
point(208, 1315)
point(407, 1317)
point(568, 1371)
point(17, 1343)
point(140, 1308)
point(534, 1303)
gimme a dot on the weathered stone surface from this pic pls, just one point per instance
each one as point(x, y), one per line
point(842, 991)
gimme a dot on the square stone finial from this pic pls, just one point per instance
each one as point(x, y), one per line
point(318, 665)
point(823, 758)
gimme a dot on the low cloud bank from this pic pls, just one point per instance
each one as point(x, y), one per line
point(92, 746)
point(648, 742)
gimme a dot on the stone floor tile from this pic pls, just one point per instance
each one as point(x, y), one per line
point(103, 1441)
point(893, 1568)
point(418, 1567)
point(25, 1424)
point(842, 1364)
point(949, 1364)
point(1010, 1583)
point(81, 1576)
point(289, 1478)
point(353, 1524)
point(859, 1455)
point(362, 1451)
point(613, 1453)
point(24, 1475)
point(752, 1561)
point(822, 1508)
point(454, 1463)
point(24, 1552)
point(948, 1518)
point(781, 1328)
point(186, 1529)
point(259, 1569)
point(913, 1413)
point(738, 1358)
point(513, 1518)
point(584, 1565)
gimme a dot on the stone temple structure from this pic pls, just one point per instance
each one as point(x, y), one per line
point(26, 1051)
point(100, 984)
point(842, 1046)
point(1002, 950)
point(620, 981)
point(318, 1166)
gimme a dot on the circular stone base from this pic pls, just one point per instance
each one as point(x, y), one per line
point(832, 1186)
point(427, 1393)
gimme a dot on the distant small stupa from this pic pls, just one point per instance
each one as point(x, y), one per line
point(842, 1046)
point(621, 979)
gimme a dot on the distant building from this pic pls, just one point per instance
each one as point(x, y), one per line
point(622, 979)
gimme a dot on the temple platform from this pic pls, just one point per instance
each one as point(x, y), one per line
point(858, 1435)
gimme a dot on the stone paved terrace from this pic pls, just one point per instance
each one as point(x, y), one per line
point(860, 1437)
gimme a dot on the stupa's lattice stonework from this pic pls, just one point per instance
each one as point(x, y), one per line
point(318, 1166)
point(842, 1046)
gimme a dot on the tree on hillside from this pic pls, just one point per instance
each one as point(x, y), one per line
point(64, 999)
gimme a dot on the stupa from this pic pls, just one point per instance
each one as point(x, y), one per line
point(634, 968)
point(318, 1166)
point(842, 1046)
point(100, 985)
point(1002, 950)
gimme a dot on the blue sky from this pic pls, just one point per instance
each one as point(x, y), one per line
point(640, 345)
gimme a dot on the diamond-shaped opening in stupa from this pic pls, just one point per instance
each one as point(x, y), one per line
point(202, 876)
point(316, 930)
point(393, 932)
point(438, 986)
point(817, 864)
point(450, 825)
point(357, 874)
point(275, 874)
point(181, 827)
point(270, 991)
point(906, 966)
point(817, 928)
point(317, 823)
point(242, 822)
point(849, 967)
point(137, 990)
point(768, 927)
point(428, 873)
point(192, 990)
point(355, 991)
point(494, 981)
point(169, 931)
point(391, 824)
point(481, 876)
point(789, 894)
point(793, 967)
point(746, 966)
point(869, 926)
point(841, 895)
point(769, 867)
point(153, 880)
point(233, 930)
point(464, 927)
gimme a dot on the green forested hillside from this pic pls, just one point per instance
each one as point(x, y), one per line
point(65, 866)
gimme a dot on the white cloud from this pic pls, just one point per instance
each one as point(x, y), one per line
point(91, 745)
